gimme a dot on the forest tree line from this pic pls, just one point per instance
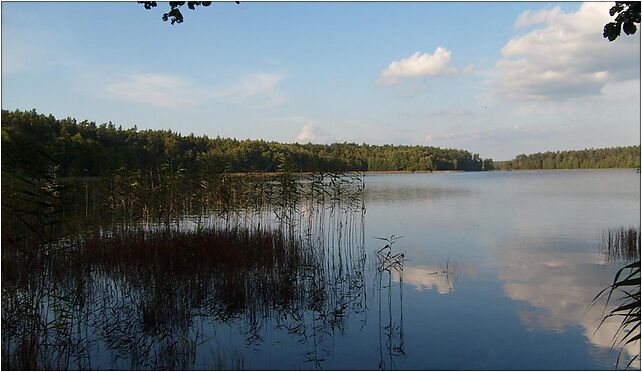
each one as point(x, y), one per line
point(614, 157)
point(87, 149)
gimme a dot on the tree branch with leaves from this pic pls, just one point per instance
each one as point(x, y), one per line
point(628, 14)
point(174, 15)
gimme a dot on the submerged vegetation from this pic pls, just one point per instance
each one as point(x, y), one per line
point(87, 149)
point(615, 157)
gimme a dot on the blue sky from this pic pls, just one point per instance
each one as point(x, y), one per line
point(495, 78)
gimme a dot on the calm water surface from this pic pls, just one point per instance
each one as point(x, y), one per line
point(526, 248)
point(499, 271)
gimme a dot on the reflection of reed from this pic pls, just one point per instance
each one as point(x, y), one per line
point(389, 264)
point(165, 255)
point(621, 244)
point(451, 272)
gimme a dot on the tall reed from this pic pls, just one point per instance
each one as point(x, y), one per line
point(137, 263)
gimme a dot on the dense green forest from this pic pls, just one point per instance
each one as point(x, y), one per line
point(86, 149)
point(615, 157)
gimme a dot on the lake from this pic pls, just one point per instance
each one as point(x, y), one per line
point(499, 270)
point(527, 248)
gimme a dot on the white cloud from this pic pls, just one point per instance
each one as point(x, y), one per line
point(158, 90)
point(313, 134)
point(168, 91)
point(567, 57)
point(422, 64)
point(262, 88)
point(529, 18)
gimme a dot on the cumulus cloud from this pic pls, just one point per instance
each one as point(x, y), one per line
point(263, 88)
point(529, 18)
point(567, 57)
point(156, 90)
point(422, 64)
point(313, 134)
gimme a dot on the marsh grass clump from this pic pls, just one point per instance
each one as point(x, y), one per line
point(151, 291)
point(224, 274)
point(190, 250)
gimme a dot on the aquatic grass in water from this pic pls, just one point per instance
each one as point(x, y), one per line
point(625, 292)
point(622, 297)
point(137, 290)
point(143, 280)
point(389, 264)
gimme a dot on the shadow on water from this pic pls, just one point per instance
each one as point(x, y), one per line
point(138, 271)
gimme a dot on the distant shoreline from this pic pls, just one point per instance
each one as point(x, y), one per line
point(364, 172)
point(269, 174)
point(423, 171)
point(561, 169)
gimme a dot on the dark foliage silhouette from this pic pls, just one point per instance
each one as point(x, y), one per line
point(174, 15)
point(628, 15)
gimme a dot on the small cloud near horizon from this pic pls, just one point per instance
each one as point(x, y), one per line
point(313, 134)
point(422, 64)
